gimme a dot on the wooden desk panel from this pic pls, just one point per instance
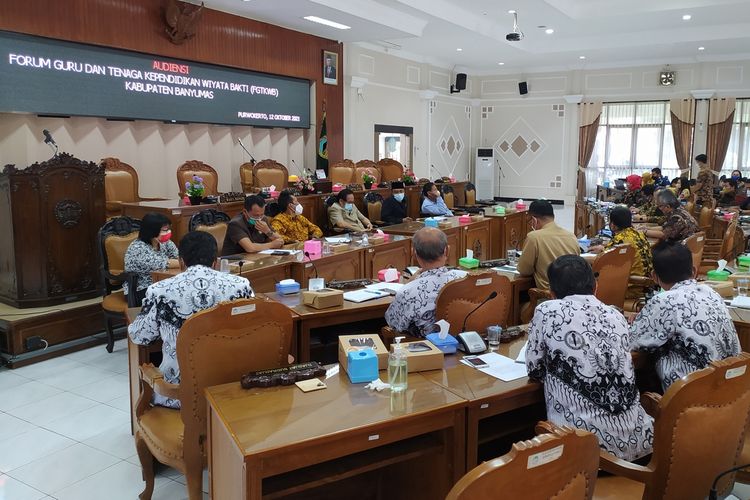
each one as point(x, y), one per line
point(476, 237)
point(346, 265)
point(280, 440)
point(396, 254)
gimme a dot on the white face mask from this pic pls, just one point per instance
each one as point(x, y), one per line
point(298, 209)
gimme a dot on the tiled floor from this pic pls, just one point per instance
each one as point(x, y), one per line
point(65, 433)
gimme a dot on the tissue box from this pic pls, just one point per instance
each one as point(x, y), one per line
point(274, 194)
point(357, 342)
point(464, 219)
point(376, 240)
point(743, 261)
point(448, 345)
point(500, 210)
point(716, 275)
point(336, 188)
point(287, 288)
point(723, 288)
point(445, 224)
point(468, 263)
point(430, 222)
point(389, 275)
point(339, 247)
point(313, 247)
point(422, 355)
point(477, 218)
point(323, 298)
point(362, 366)
point(739, 276)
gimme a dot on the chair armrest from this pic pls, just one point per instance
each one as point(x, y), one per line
point(152, 376)
point(545, 427)
point(643, 281)
point(620, 467)
point(535, 294)
point(113, 205)
point(651, 402)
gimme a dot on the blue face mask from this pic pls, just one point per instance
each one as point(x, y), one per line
point(349, 207)
point(736, 177)
point(399, 197)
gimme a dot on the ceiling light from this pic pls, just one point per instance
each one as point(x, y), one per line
point(511, 11)
point(701, 48)
point(327, 22)
point(549, 31)
point(500, 64)
point(459, 49)
point(687, 17)
point(581, 57)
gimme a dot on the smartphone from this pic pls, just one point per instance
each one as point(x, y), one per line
point(475, 361)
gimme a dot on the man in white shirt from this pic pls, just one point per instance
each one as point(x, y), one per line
point(170, 302)
point(687, 325)
point(433, 203)
point(578, 347)
point(413, 308)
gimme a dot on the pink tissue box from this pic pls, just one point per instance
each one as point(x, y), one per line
point(464, 219)
point(728, 216)
point(336, 188)
point(382, 275)
point(313, 247)
point(520, 206)
point(274, 194)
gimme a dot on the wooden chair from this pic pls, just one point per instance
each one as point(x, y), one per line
point(706, 217)
point(342, 172)
point(695, 244)
point(561, 465)
point(699, 431)
point(115, 236)
point(215, 346)
point(187, 170)
point(328, 228)
point(471, 194)
point(120, 185)
point(613, 270)
point(536, 297)
point(364, 165)
point(459, 297)
point(374, 206)
point(246, 177)
point(213, 222)
point(390, 169)
point(717, 249)
point(448, 197)
point(270, 173)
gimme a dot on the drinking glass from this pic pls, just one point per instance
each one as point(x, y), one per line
point(742, 286)
point(493, 335)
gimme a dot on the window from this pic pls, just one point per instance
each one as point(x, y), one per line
point(395, 143)
point(633, 138)
point(738, 153)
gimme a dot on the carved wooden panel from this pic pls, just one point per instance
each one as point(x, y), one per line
point(395, 255)
point(476, 239)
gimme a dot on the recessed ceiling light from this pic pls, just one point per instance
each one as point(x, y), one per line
point(500, 64)
point(549, 31)
point(701, 48)
point(511, 11)
point(332, 24)
point(687, 17)
point(459, 49)
point(581, 57)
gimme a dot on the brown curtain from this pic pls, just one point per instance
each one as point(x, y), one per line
point(589, 114)
point(720, 118)
point(682, 113)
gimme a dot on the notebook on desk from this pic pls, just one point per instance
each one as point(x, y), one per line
point(364, 295)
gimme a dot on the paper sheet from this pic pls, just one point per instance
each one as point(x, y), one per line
point(521, 358)
point(337, 239)
point(502, 367)
point(741, 301)
point(506, 269)
point(391, 286)
point(271, 251)
point(364, 295)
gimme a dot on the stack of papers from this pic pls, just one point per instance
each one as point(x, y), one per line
point(337, 239)
point(364, 295)
point(506, 269)
point(385, 286)
point(502, 367)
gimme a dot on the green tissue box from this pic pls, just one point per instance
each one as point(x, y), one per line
point(468, 263)
point(500, 210)
point(743, 261)
point(715, 275)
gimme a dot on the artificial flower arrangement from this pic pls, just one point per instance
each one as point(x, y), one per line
point(195, 187)
point(305, 184)
point(408, 178)
point(367, 177)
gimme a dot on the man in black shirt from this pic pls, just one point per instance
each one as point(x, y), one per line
point(394, 208)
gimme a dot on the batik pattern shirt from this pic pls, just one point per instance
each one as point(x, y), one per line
point(413, 308)
point(642, 264)
point(295, 228)
point(685, 327)
point(142, 259)
point(578, 347)
point(679, 225)
point(705, 193)
point(170, 302)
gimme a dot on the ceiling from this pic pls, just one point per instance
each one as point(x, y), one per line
point(609, 33)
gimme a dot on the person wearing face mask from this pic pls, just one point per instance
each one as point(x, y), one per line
point(394, 208)
point(249, 231)
point(433, 203)
point(678, 225)
point(290, 223)
point(153, 250)
point(344, 214)
point(546, 242)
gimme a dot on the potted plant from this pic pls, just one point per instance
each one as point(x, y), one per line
point(367, 178)
point(305, 185)
point(409, 179)
point(195, 189)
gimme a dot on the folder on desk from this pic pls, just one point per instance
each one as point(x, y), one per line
point(364, 295)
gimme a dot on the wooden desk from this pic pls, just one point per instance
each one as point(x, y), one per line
point(329, 443)
point(589, 220)
point(496, 410)
point(507, 232)
point(310, 318)
point(741, 319)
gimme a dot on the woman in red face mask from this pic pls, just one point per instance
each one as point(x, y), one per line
point(153, 250)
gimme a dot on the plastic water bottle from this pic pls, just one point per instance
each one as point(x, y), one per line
point(365, 240)
point(397, 367)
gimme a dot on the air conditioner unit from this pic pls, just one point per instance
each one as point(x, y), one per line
point(485, 175)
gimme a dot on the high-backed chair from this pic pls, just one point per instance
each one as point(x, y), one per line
point(363, 166)
point(342, 172)
point(699, 431)
point(695, 244)
point(187, 170)
point(213, 222)
point(374, 205)
point(115, 236)
point(448, 197)
point(257, 339)
point(717, 249)
point(459, 297)
point(327, 227)
point(120, 185)
point(246, 176)
point(390, 170)
point(613, 270)
point(270, 173)
point(706, 217)
point(471, 194)
point(567, 471)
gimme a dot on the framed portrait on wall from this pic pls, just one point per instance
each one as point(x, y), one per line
point(330, 68)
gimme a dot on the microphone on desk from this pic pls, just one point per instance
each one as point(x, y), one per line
point(471, 342)
point(307, 254)
point(49, 140)
point(239, 140)
point(489, 297)
point(302, 172)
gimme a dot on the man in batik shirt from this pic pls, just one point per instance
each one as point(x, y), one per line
point(679, 224)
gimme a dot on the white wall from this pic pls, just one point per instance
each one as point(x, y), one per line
point(397, 91)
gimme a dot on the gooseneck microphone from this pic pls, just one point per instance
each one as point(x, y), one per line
point(49, 140)
point(489, 297)
point(239, 140)
point(307, 254)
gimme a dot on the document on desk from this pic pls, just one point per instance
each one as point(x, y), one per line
point(521, 358)
point(364, 295)
point(337, 239)
point(506, 269)
point(502, 367)
point(385, 286)
point(741, 302)
point(279, 252)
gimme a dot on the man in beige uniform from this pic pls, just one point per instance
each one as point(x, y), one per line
point(546, 242)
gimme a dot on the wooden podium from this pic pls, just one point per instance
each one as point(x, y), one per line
point(50, 214)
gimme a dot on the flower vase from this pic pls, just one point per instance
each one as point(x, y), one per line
point(368, 185)
point(195, 200)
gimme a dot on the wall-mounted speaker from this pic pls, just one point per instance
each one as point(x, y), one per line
point(523, 88)
point(460, 83)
